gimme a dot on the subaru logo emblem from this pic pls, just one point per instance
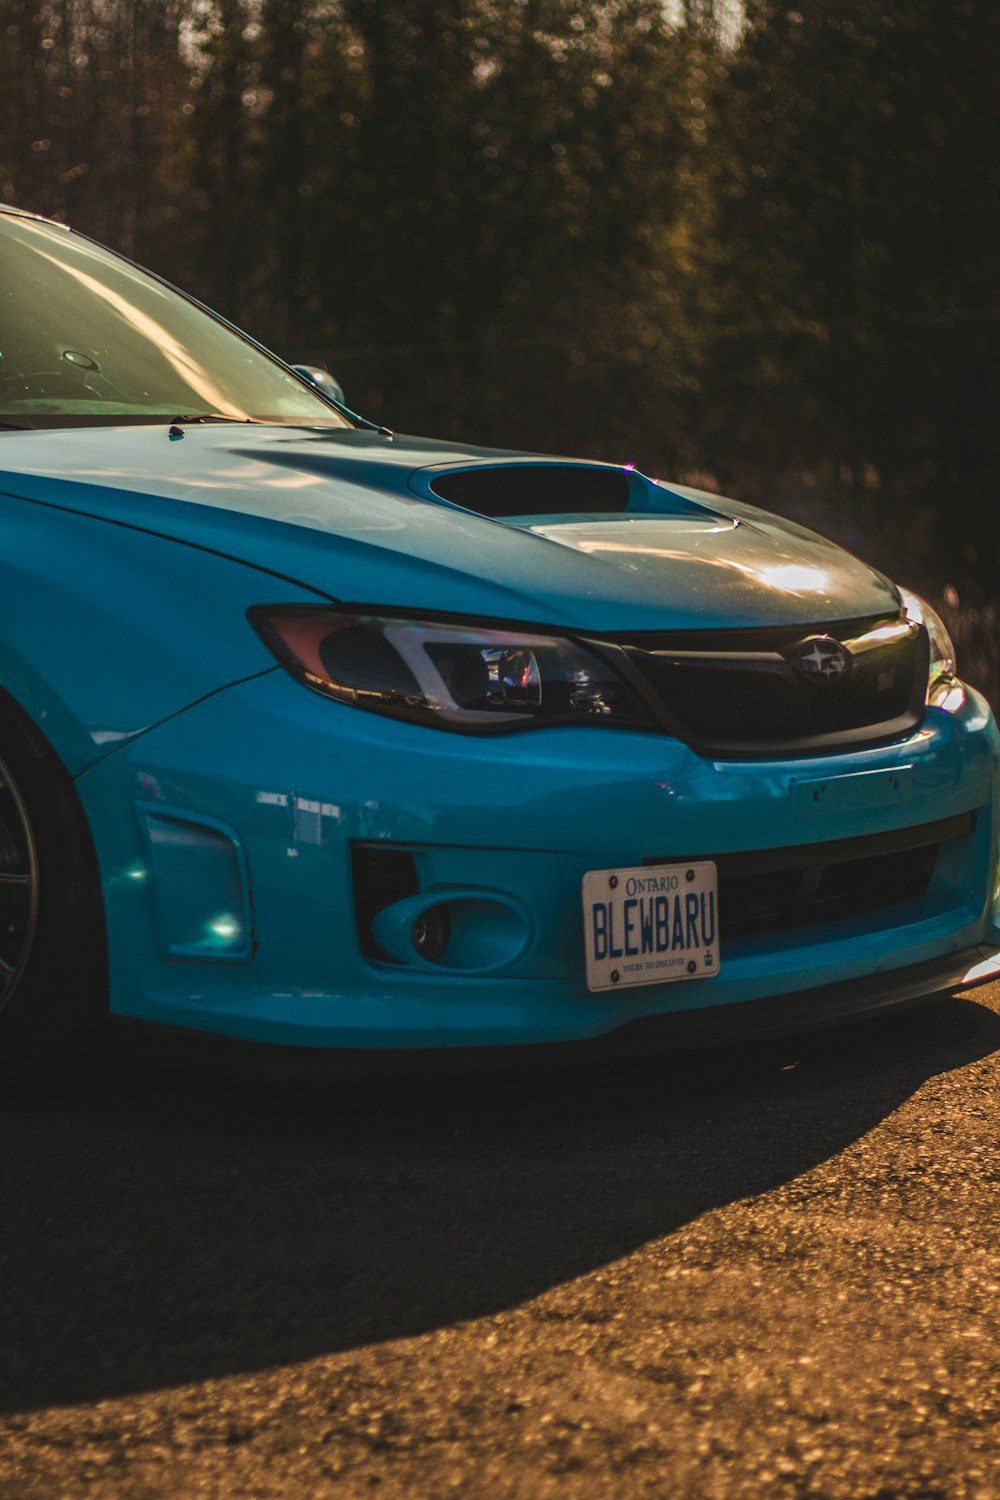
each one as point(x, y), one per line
point(819, 658)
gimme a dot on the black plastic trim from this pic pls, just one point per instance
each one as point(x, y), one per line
point(833, 851)
point(629, 664)
point(678, 1031)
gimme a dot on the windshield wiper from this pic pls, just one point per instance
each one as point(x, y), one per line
point(18, 427)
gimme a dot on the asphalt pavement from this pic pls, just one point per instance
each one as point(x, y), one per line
point(771, 1271)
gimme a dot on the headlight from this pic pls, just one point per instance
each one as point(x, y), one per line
point(942, 668)
point(451, 676)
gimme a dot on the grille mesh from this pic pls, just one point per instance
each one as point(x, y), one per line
point(382, 875)
point(733, 704)
point(782, 888)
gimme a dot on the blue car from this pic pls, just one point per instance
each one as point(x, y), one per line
point(312, 734)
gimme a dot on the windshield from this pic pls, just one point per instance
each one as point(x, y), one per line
point(86, 337)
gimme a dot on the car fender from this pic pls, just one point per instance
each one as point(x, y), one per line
point(106, 630)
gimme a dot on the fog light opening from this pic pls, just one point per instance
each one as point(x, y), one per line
point(430, 933)
point(465, 930)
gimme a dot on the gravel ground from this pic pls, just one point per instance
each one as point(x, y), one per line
point(770, 1272)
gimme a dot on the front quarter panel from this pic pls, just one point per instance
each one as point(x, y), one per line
point(106, 630)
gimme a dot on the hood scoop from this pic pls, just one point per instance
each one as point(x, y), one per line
point(503, 490)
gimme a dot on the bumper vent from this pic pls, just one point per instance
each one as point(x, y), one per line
point(815, 883)
point(381, 877)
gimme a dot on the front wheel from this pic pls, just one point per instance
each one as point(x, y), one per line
point(52, 942)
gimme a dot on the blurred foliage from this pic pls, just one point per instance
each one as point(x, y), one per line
point(741, 243)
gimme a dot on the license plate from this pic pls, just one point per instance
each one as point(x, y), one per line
point(651, 924)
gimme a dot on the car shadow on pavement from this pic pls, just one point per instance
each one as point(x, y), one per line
point(165, 1223)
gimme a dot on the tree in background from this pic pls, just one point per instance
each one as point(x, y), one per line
point(856, 190)
point(755, 241)
point(88, 90)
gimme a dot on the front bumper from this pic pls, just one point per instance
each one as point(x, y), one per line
point(225, 841)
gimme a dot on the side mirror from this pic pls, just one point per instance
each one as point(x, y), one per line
point(322, 380)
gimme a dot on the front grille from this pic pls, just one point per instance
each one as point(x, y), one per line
point(746, 701)
point(766, 890)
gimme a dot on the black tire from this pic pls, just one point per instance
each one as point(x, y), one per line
point(53, 950)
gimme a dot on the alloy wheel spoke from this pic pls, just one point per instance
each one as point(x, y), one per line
point(18, 884)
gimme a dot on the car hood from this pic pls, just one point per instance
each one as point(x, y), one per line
point(352, 516)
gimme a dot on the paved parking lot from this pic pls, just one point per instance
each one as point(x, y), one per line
point(765, 1272)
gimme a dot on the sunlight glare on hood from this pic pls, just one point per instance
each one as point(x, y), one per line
point(794, 578)
point(790, 578)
